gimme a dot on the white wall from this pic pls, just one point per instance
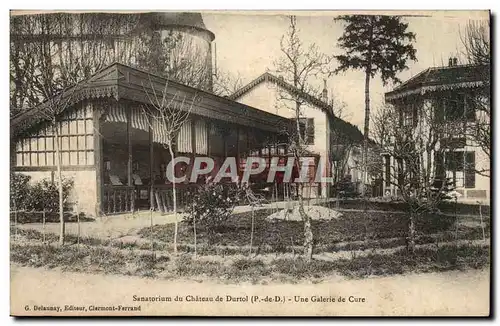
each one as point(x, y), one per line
point(84, 189)
point(265, 96)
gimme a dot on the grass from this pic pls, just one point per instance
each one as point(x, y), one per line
point(375, 230)
point(352, 232)
point(226, 255)
point(424, 260)
point(104, 260)
point(85, 259)
point(448, 207)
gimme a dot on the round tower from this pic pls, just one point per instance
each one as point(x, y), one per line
point(193, 52)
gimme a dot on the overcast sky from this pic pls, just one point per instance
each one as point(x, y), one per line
point(248, 43)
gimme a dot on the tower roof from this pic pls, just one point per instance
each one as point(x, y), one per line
point(179, 19)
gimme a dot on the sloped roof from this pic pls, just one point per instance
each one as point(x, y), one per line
point(182, 19)
point(338, 124)
point(119, 82)
point(441, 78)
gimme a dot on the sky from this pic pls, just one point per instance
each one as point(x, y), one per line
point(249, 42)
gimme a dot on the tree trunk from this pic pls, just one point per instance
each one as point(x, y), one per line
point(308, 235)
point(251, 231)
point(411, 233)
point(195, 240)
point(366, 133)
point(174, 197)
point(59, 186)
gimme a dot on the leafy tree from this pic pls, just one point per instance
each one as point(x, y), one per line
point(374, 44)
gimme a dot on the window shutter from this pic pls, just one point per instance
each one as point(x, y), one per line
point(470, 114)
point(310, 131)
point(470, 167)
point(415, 115)
point(439, 110)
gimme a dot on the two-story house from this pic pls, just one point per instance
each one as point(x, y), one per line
point(326, 136)
point(451, 94)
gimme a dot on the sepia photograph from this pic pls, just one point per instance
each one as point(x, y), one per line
point(250, 163)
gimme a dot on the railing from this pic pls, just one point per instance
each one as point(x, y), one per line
point(118, 199)
point(163, 196)
point(122, 199)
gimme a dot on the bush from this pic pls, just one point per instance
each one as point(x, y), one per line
point(43, 194)
point(19, 189)
point(211, 206)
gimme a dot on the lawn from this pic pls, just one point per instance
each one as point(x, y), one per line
point(355, 245)
point(354, 231)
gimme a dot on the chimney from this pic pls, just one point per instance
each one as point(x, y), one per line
point(455, 61)
point(324, 95)
point(450, 62)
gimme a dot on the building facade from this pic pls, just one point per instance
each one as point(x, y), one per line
point(325, 135)
point(447, 99)
point(116, 155)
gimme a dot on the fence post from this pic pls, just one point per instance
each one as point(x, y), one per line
point(78, 225)
point(43, 225)
point(482, 225)
point(15, 219)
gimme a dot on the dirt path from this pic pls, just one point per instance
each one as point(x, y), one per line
point(109, 227)
point(450, 293)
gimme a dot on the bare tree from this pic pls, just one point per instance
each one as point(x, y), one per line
point(167, 116)
point(75, 46)
point(56, 103)
point(69, 47)
point(419, 149)
point(476, 42)
point(225, 83)
point(297, 66)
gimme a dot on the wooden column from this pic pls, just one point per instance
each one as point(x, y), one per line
point(225, 143)
point(193, 136)
point(98, 157)
point(238, 130)
point(129, 162)
point(151, 176)
point(209, 130)
point(193, 148)
point(129, 144)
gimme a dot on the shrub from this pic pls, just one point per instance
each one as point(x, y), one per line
point(19, 189)
point(211, 206)
point(45, 194)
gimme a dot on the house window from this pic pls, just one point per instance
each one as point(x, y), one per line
point(410, 116)
point(387, 170)
point(458, 107)
point(407, 119)
point(470, 170)
point(306, 126)
point(76, 142)
point(454, 162)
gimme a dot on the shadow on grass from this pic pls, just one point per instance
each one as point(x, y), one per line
point(100, 259)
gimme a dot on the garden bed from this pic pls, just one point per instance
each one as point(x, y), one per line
point(399, 206)
point(353, 226)
point(106, 260)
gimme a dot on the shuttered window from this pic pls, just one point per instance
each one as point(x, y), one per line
point(309, 131)
point(470, 170)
